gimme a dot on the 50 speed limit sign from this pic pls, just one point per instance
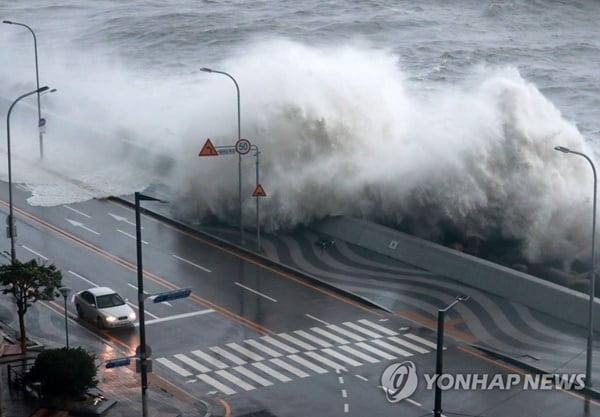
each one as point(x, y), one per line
point(242, 146)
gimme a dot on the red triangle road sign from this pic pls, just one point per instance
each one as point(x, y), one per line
point(259, 191)
point(208, 149)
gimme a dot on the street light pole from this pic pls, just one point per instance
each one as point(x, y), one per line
point(41, 122)
point(590, 337)
point(10, 220)
point(439, 362)
point(65, 291)
point(237, 88)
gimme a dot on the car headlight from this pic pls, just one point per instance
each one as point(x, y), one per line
point(132, 316)
point(110, 319)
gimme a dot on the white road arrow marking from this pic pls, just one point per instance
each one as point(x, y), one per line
point(79, 224)
point(121, 219)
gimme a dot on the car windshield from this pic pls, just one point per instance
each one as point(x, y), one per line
point(109, 300)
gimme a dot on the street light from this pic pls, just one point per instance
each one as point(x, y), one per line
point(588, 364)
point(10, 221)
point(65, 291)
point(439, 362)
point(140, 280)
point(237, 88)
point(41, 122)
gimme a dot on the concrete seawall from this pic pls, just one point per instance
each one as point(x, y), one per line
point(533, 292)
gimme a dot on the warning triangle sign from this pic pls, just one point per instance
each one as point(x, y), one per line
point(208, 149)
point(259, 191)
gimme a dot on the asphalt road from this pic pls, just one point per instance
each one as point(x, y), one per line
point(254, 335)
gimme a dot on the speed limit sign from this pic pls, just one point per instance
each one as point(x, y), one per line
point(242, 146)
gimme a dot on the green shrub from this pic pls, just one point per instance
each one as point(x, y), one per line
point(65, 371)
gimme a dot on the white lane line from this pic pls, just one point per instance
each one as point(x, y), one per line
point(22, 187)
point(130, 236)
point(174, 367)
point(358, 354)
point(270, 371)
point(317, 319)
point(392, 348)
point(189, 361)
point(77, 211)
point(378, 327)
point(346, 332)
point(346, 407)
point(178, 316)
point(328, 335)
point(361, 377)
point(216, 384)
point(255, 292)
point(295, 341)
point(341, 357)
point(247, 353)
point(191, 263)
point(340, 378)
point(307, 364)
point(122, 219)
point(376, 351)
point(312, 338)
point(255, 377)
point(83, 226)
point(414, 402)
point(362, 330)
point(146, 312)
point(344, 394)
point(237, 381)
point(82, 278)
point(421, 340)
point(227, 355)
point(325, 361)
point(290, 368)
point(39, 255)
point(409, 345)
point(280, 345)
point(211, 360)
point(263, 348)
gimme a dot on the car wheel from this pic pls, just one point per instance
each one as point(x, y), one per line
point(100, 323)
point(79, 312)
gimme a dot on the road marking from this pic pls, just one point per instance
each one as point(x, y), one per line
point(358, 354)
point(230, 356)
point(394, 349)
point(178, 316)
point(39, 255)
point(344, 394)
point(340, 378)
point(341, 357)
point(131, 236)
point(280, 345)
point(270, 371)
point(189, 361)
point(421, 340)
point(248, 353)
point(22, 187)
point(409, 345)
point(255, 377)
point(297, 342)
point(307, 364)
point(377, 327)
point(145, 312)
point(414, 402)
point(362, 330)
point(346, 332)
point(122, 219)
point(290, 368)
point(255, 292)
point(317, 319)
point(191, 263)
point(237, 381)
point(331, 336)
point(212, 360)
point(263, 348)
point(361, 377)
point(216, 384)
point(325, 361)
point(174, 367)
point(312, 338)
point(346, 408)
point(77, 211)
point(376, 351)
point(84, 227)
point(83, 278)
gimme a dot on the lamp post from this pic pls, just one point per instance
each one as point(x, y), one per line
point(10, 221)
point(65, 291)
point(140, 281)
point(588, 364)
point(237, 88)
point(439, 361)
point(41, 122)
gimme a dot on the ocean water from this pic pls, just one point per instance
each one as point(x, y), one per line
point(439, 118)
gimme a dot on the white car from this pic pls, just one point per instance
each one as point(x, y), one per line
point(103, 306)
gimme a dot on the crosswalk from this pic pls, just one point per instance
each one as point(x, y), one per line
point(283, 357)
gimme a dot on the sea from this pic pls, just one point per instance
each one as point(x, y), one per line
point(438, 118)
